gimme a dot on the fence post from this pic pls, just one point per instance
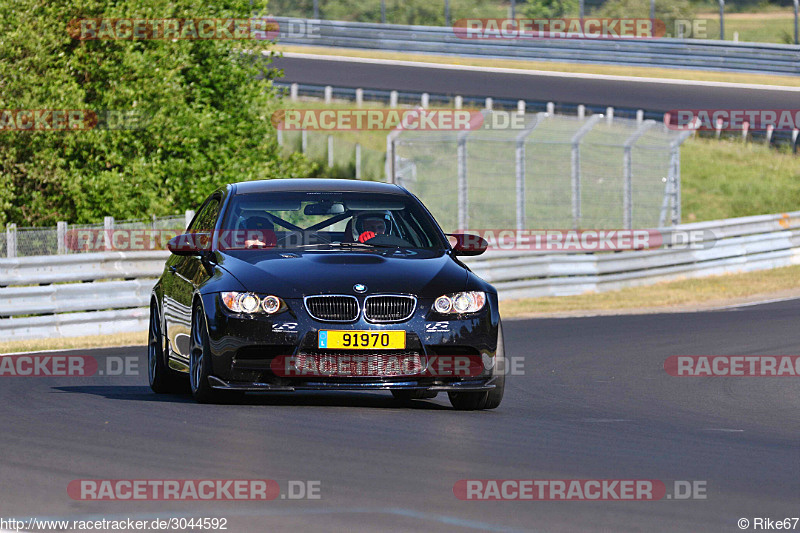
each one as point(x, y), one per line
point(627, 184)
point(280, 137)
point(393, 99)
point(575, 167)
point(61, 235)
point(303, 141)
point(330, 151)
point(521, 107)
point(796, 9)
point(358, 161)
point(489, 104)
point(463, 196)
point(447, 13)
point(153, 232)
point(108, 227)
point(794, 140)
point(391, 155)
point(293, 90)
point(11, 240)
point(359, 97)
point(551, 108)
point(721, 20)
point(425, 100)
point(639, 117)
point(581, 112)
point(459, 102)
point(328, 94)
point(520, 161)
point(609, 115)
point(188, 216)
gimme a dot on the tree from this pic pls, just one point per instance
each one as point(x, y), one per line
point(203, 108)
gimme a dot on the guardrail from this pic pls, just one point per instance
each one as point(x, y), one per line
point(104, 293)
point(676, 53)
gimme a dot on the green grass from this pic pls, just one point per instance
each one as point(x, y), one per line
point(775, 27)
point(727, 178)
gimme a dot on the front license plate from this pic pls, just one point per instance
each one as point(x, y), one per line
point(362, 340)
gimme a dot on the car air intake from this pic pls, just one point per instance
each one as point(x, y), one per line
point(389, 308)
point(332, 308)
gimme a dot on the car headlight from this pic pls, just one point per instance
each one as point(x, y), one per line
point(460, 303)
point(247, 302)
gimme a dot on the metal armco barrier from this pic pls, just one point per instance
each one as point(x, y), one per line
point(677, 53)
point(43, 297)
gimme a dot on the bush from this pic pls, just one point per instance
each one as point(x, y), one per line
point(206, 113)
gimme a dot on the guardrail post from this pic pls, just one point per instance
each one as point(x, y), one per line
point(745, 129)
point(581, 111)
point(393, 99)
point(359, 97)
point(330, 151)
point(794, 140)
point(551, 108)
point(108, 227)
point(489, 104)
point(639, 117)
point(627, 164)
point(770, 129)
point(188, 216)
point(521, 107)
point(358, 161)
point(676, 186)
point(609, 115)
point(425, 100)
point(11, 240)
point(459, 102)
point(303, 141)
point(575, 167)
point(280, 136)
point(328, 94)
point(61, 236)
point(294, 89)
point(153, 233)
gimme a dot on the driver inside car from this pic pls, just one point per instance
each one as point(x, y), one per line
point(368, 225)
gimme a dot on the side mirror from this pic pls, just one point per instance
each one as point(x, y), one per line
point(467, 244)
point(190, 244)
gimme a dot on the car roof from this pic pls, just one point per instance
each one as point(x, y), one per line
point(321, 185)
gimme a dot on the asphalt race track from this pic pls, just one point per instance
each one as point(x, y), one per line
point(594, 403)
point(652, 96)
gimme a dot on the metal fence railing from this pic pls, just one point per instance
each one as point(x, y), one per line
point(55, 240)
point(553, 171)
point(659, 53)
point(39, 296)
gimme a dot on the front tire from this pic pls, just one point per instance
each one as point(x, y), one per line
point(163, 380)
point(200, 361)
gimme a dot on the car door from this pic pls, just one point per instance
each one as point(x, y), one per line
point(185, 274)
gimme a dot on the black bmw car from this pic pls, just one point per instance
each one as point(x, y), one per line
point(292, 285)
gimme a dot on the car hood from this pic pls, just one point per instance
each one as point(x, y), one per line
point(294, 274)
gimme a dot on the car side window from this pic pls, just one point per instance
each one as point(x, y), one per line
point(206, 219)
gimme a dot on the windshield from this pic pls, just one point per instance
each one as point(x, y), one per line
point(332, 220)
